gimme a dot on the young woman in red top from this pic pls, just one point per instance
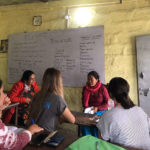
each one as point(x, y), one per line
point(95, 94)
point(22, 92)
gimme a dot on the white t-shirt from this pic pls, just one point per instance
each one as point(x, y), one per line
point(128, 127)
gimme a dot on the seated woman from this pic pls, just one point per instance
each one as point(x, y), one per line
point(96, 96)
point(50, 102)
point(8, 138)
point(22, 92)
point(126, 124)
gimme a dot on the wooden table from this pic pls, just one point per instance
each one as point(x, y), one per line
point(85, 119)
point(70, 137)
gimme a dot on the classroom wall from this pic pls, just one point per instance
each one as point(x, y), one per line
point(122, 23)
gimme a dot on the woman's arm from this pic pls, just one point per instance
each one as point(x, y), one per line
point(15, 93)
point(11, 140)
point(68, 115)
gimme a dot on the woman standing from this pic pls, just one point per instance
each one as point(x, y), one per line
point(8, 138)
point(50, 102)
point(22, 92)
point(126, 124)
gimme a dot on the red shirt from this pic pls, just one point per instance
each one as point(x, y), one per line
point(16, 97)
point(96, 96)
point(16, 91)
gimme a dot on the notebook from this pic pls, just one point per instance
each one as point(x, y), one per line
point(43, 137)
point(55, 140)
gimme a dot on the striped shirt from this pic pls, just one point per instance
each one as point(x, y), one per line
point(127, 127)
point(9, 140)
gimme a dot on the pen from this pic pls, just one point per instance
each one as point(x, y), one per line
point(32, 121)
point(97, 145)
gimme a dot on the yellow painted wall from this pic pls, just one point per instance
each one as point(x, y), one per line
point(122, 23)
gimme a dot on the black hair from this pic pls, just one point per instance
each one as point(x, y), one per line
point(26, 75)
point(119, 89)
point(95, 74)
point(1, 83)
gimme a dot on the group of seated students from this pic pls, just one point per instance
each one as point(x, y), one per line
point(125, 124)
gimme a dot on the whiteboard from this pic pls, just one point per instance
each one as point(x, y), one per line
point(74, 52)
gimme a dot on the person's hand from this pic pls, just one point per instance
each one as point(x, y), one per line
point(93, 120)
point(95, 109)
point(6, 102)
point(34, 128)
point(28, 100)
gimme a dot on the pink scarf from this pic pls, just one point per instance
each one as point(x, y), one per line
point(88, 90)
point(94, 88)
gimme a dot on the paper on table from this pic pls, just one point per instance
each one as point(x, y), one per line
point(89, 110)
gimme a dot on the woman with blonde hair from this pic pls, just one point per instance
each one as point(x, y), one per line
point(49, 104)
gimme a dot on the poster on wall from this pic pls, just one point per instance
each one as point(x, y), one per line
point(4, 46)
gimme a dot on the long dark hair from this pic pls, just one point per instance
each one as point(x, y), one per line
point(119, 89)
point(26, 75)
